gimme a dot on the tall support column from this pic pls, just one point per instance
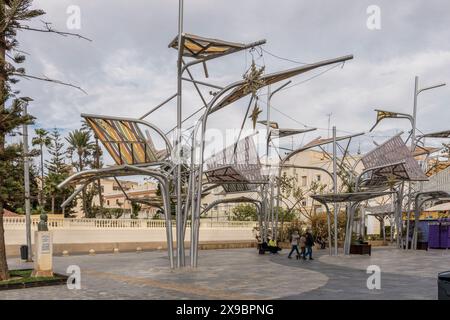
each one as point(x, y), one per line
point(265, 215)
point(269, 95)
point(272, 218)
point(179, 213)
point(352, 222)
point(278, 191)
point(408, 218)
point(276, 218)
point(362, 225)
point(168, 218)
point(26, 170)
point(329, 229)
point(260, 220)
point(399, 214)
point(347, 226)
point(413, 146)
point(193, 181)
point(335, 192)
point(417, 206)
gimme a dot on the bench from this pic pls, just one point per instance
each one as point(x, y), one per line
point(362, 249)
point(263, 247)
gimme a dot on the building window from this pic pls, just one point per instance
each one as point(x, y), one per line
point(304, 181)
point(107, 202)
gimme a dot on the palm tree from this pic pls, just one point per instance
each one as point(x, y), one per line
point(42, 140)
point(80, 143)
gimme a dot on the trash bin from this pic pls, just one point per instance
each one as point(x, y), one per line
point(24, 252)
point(444, 285)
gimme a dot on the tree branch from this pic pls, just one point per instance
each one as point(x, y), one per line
point(27, 76)
point(49, 29)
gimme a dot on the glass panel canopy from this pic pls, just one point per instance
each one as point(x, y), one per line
point(200, 47)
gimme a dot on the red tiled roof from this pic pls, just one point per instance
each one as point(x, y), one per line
point(7, 213)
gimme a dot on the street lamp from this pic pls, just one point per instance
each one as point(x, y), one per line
point(26, 170)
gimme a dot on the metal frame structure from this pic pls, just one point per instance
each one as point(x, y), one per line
point(135, 154)
point(353, 199)
point(86, 177)
point(238, 90)
point(319, 143)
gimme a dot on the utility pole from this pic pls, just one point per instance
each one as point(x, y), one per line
point(26, 170)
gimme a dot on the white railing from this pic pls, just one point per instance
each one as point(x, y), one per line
point(12, 223)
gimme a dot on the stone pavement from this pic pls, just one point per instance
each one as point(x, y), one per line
point(404, 275)
point(243, 274)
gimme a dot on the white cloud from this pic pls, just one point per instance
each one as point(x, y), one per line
point(128, 68)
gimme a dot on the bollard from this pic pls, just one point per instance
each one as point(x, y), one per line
point(65, 253)
point(92, 252)
point(116, 250)
point(138, 249)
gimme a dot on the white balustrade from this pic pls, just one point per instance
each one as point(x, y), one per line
point(13, 223)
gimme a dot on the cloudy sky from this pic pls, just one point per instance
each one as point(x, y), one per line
point(128, 68)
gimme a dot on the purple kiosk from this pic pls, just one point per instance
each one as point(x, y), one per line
point(439, 234)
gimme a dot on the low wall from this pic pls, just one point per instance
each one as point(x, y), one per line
point(108, 247)
point(103, 235)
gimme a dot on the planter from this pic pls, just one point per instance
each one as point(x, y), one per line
point(29, 282)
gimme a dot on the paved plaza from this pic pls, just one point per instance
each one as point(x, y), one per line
point(243, 274)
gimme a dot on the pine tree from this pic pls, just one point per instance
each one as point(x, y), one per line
point(11, 13)
point(13, 175)
point(56, 164)
point(13, 17)
point(58, 171)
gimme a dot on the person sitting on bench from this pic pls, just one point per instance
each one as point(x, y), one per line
point(273, 248)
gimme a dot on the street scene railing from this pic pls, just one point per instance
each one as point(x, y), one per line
point(13, 223)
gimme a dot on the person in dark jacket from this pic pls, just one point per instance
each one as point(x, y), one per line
point(309, 244)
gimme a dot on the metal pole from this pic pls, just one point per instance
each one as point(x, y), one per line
point(271, 213)
point(416, 222)
point(335, 191)
point(26, 169)
point(362, 226)
point(179, 213)
point(413, 146)
point(168, 220)
point(329, 230)
point(270, 95)
point(347, 221)
point(408, 217)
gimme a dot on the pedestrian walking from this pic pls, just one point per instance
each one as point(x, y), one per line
point(302, 242)
point(309, 244)
point(294, 243)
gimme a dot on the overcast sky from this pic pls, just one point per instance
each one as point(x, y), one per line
point(128, 68)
